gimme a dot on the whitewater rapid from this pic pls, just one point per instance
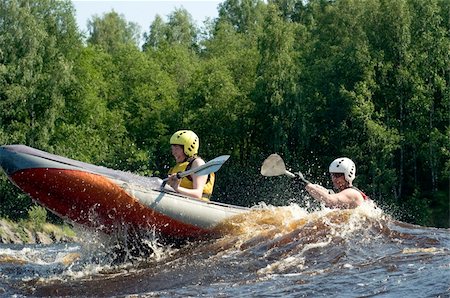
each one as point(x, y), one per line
point(271, 251)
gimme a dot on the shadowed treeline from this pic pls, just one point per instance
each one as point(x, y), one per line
point(310, 80)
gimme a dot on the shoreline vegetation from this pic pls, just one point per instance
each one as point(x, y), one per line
point(309, 80)
point(35, 230)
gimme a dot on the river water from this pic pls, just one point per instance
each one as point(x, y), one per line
point(269, 252)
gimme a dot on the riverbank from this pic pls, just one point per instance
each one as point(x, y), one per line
point(27, 232)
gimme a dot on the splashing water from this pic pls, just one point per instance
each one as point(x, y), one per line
point(270, 251)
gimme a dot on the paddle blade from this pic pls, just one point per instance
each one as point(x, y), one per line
point(273, 166)
point(211, 166)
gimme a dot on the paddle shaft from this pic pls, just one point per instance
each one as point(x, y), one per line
point(297, 175)
point(274, 166)
point(292, 175)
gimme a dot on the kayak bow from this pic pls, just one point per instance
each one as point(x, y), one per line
point(109, 200)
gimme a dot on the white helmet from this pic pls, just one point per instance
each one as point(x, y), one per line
point(345, 166)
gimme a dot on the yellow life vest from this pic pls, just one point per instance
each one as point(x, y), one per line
point(187, 182)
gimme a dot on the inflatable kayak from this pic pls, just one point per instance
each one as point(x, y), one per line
point(110, 200)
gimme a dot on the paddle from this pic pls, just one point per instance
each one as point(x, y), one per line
point(274, 166)
point(211, 166)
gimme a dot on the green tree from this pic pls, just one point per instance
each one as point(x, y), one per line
point(89, 129)
point(180, 30)
point(236, 55)
point(390, 51)
point(276, 90)
point(338, 86)
point(156, 35)
point(426, 110)
point(149, 102)
point(112, 31)
point(312, 80)
point(38, 44)
point(242, 14)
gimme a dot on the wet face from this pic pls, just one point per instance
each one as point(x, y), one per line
point(178, 153)
point(339, 181)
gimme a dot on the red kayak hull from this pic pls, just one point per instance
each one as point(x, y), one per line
point(94, 201)
point(109, 200)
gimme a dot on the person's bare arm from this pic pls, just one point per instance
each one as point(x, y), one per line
point(348, 198)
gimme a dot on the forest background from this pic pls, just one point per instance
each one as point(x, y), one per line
point(310, 80)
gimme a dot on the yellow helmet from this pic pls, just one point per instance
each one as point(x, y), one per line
point(188, 139)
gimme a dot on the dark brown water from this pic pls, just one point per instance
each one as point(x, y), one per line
point(270, 252)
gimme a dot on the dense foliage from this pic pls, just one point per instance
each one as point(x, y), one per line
point(310, 80)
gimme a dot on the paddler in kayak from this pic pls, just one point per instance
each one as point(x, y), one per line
point(184, 146)
point(343, 172)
